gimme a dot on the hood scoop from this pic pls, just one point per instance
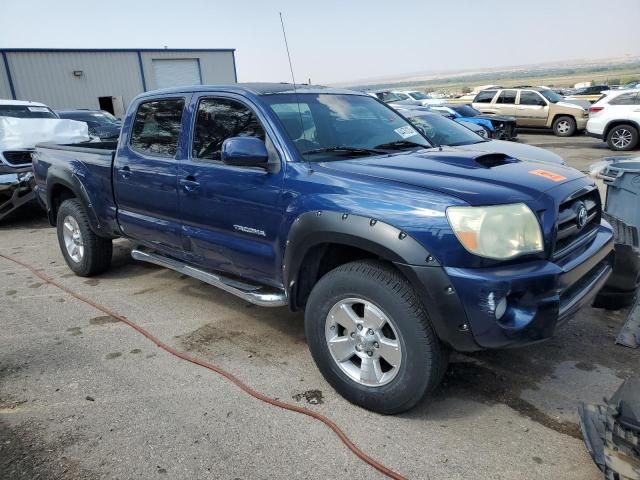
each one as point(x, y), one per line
point(490, 160)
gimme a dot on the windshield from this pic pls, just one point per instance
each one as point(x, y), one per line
point(442, 131)
point(550, 95)
point(342, 126)
point(94, 119)
point(26, 111)
point(105, 119)
point(419, 96)
point(466, 110)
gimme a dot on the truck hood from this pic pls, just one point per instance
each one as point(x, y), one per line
point(476, 177)
point(521, 151)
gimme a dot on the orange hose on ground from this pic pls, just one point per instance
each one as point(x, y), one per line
point(232, 378)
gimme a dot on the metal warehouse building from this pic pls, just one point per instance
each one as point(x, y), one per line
point(105, 78)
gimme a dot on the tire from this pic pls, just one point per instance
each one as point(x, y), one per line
point(622, 138)
point(421, 361)
point(92, 254)
point(564, 126)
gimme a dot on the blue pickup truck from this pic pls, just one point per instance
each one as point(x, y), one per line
point(330, 202)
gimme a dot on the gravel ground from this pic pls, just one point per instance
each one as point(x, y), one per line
point(83, 396)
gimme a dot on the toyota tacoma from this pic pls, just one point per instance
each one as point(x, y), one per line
point(330, 202)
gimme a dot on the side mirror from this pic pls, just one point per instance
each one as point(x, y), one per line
point(244, 152)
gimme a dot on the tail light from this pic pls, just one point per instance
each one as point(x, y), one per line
point(595, 109)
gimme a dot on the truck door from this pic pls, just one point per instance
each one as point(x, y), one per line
point(145, 174)
point(532, 110)
point(231, 215)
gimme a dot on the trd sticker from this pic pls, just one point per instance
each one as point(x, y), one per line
point(547, 174)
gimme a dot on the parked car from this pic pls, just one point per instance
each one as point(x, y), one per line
point(534, 108)
point(474, 127)
point(421, 97)
point(101, 124)
point(389, 96)
point(590, 94)
point(21, 124)
point(443, 131)
point(24, 109)
point(330, 202)
point(615, 119)
point(497, 126)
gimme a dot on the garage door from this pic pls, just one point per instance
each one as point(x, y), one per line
point(174, 73)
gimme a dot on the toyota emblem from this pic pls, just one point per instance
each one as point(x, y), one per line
point(582, 216)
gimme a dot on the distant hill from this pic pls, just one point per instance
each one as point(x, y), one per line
point(558, 70)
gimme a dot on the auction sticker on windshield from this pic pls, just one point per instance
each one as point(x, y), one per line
point(406, 131)
point(547, 174)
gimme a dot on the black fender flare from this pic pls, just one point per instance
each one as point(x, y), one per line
point(68, 180)
point(390, 243)
point(321, 226)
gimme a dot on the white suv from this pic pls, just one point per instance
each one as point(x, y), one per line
point(615, 118)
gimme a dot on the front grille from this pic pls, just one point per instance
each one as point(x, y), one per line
point(17, 158)
point(569, 231)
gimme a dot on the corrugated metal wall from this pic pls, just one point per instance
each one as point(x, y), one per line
point(215, 67)
point(5, 90)
point(47, 76)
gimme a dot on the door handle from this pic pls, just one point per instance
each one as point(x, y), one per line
point(125, 171)
point(189, 184)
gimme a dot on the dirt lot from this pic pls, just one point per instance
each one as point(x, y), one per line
point(83, 396)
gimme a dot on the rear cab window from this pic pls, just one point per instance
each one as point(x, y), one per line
point(156, 127)
point(485, 96)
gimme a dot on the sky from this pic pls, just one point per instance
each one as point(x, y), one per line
point(337, 41)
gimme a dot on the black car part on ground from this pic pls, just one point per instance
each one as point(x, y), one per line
point(16, 190)
point(621, 289)
point(611, 432)
point(504, 128)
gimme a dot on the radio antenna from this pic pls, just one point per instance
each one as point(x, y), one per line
point(295, 90)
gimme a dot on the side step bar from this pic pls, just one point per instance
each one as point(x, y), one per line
point(255, 294)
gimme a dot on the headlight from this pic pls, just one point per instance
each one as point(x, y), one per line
point(500, 232)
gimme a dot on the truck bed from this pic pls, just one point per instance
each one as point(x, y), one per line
point(88, 167)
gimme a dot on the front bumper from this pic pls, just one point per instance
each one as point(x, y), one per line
point(540, 294)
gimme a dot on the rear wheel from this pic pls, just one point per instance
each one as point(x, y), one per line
point(564, 126)
point(371, 338)
point(622, 138)
point(85, 252)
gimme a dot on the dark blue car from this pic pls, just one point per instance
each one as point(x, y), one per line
point(330, 202)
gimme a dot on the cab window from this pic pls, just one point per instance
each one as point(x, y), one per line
point(218, 119)
point(156, 127)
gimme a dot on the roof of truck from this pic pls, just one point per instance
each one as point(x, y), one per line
point(255, 88)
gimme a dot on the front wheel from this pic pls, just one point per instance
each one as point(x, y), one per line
point(85, 252)
point(371, 338)
point(564, 126)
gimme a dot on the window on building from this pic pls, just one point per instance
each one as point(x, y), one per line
point(156, 127)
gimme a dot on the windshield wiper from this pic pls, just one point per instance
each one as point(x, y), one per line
point(401, 144)
point(345, 149)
